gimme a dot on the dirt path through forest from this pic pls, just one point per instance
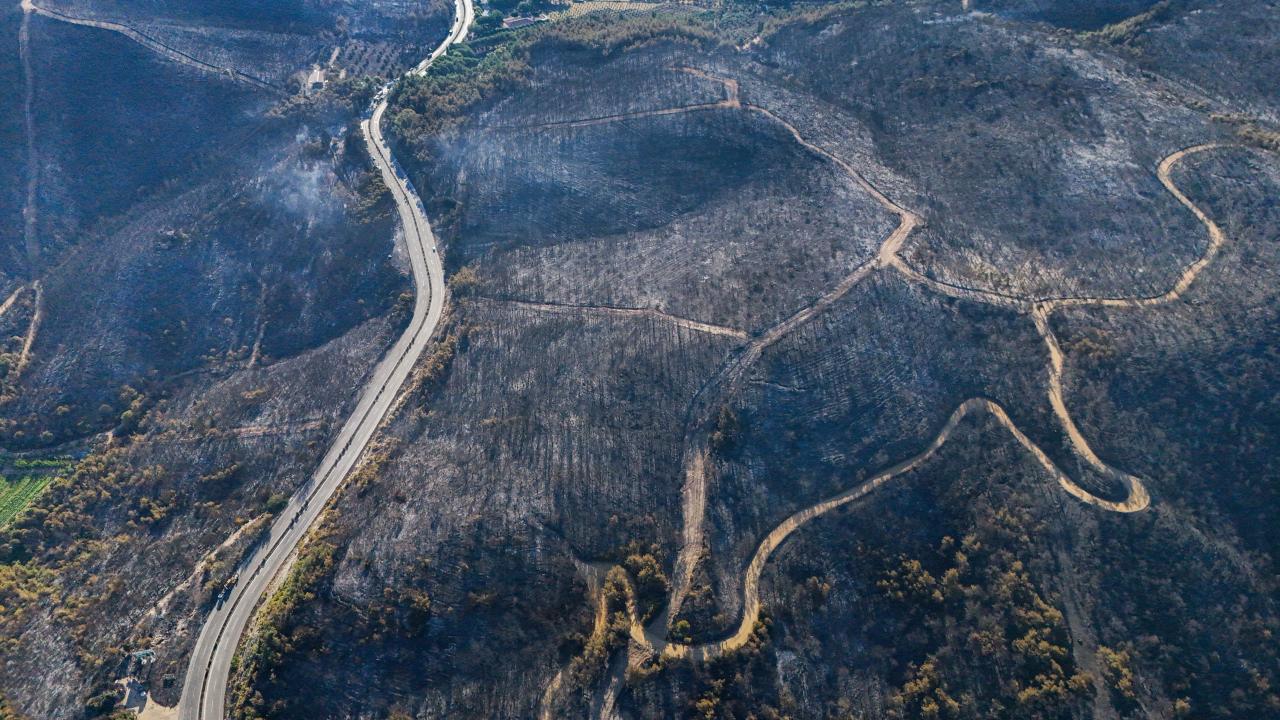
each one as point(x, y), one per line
point(726, 382)
point(658, 645)
point(731, 101)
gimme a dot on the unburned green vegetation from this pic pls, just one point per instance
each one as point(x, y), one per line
point(16, 494)
point(425, 106)
point(264, 647)
point(1125, 31)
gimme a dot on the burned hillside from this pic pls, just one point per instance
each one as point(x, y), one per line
point(886, 360)
point(610, 191)
point(217, 274)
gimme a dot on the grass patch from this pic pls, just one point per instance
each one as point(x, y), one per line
point(1126, 31)
point(56, 463)
point(16, 495)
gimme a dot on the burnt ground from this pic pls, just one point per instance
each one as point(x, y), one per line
point(965, 118)
point(607, 277)
point(218, 274)
point(574, 195)
point(276, 41)
point(13, 154)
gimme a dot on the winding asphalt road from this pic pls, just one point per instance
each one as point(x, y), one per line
point(204, 691)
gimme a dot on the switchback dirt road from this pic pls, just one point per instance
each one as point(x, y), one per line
point(652, 639)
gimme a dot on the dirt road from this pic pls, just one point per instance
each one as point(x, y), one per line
point(1137, 498)
point(653, 638)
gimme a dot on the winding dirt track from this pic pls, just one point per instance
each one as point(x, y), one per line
point(1048, 304)
point(729, 379)
point(654, 637)
point(657, 644)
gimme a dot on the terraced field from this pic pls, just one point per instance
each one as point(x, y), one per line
point(16, 495)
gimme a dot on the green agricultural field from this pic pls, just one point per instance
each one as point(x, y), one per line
point(57, 463)
point(15, 495)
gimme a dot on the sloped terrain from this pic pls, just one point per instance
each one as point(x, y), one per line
point(964, 116)
point(1225, 49)
point(125, 551)
point(217, 275)
point(535, 462)
point(1074, 14)
point(1203, 363)
point(919, 593)
point(213, 236)
point(887, 361)
point(243, 246)
point(871, 382)
point(13, 153)
point(642, 210)
point(107, 127)
point(824, 402)
point(275, 43)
